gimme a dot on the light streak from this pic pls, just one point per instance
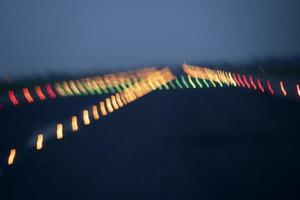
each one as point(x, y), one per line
point(39, 142)
point(74, 123)
point(282, 88)
point(11, 156)
point(59, 131)
point(85, 117)
point(95, 112)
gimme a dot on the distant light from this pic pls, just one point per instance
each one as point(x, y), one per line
point(59, 131)
point(11, 156)
point(39, 92)
point(240, 80)
point(102, 108)
point(39, 142)
point(108, 105)
point(114, 102)
point(260, 86)
point(298, 89)
point(95, 112)
point(252, 83)
point(282, 88)
point(13, 98)
point(50, 91)
point(246, 82)
point(86, 118)
point(27, 95)
point(270, 87)
point(236, 80)
point(74, 123)
point(119, 101)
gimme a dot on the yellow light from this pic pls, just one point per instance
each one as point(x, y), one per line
point(102, 108)
point(95, 112)
point(108, 105)
point(11, 157)
point(59, 131)
point(119, 101)
point(39, 142)
point(74, 123)
point(114, 102)
point(86, 118)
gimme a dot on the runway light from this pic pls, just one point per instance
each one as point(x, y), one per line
point(13, 98)
point(50, 91)
point(27, 95)
point(108, 105)
point(270, 87)
point(252, 83)
point(86, 118)
point(39, 142)
point(240, 80)
point(59, 131)
point(191, 81)
point(282, 88)
point(74, 123)
point(246, 82)
point(114, 102)
point(298, 89)
point(119, 101)
point(39, 92)
point(95, 112)
point(236, 79)
point(11, 156)
point(260, 86)
point(102, 109)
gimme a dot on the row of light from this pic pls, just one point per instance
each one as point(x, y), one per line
point(234, 79)
point(106, 84)
point(150, 81)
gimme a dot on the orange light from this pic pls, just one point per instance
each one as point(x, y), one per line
point(119, 101)
point(86, 118)
point(59, 131)
point(108, 105)
point(27, 95)
point(39, 92)
point(50, 91)
point(11, 156)
point(13, 98)
point(102, 108)
point(95, 112)
point(39, 142)
point(114, 102)
point(74, 123)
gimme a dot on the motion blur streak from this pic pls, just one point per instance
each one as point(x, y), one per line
point(39, 92)
point(119, 101)
point(282, 88)
point(59, 131)
point(270, 87)
point(246, 82)
point(260, 86)
point(11, 156)
point(102, 108)
point(50, 91)
point(108, 105)
point(298, 89)
point(74, 123)
point(95, 112)
point(252, 83)
point(13, 98)
point(114, 102)
point(27, 95)
point(86, 118)
point(39, 142)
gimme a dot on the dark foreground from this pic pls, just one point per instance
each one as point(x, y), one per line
point(199, 144)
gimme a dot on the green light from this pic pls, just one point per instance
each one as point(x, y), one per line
point(178, 83)
point(198, 82)
point(172, 85)
point(184, 83)
point(191, 82)
point(207, 85)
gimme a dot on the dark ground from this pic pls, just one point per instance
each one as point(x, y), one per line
point(218, 143)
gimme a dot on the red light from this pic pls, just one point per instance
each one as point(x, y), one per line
point(27, 95)
point(260, 86)
point(50, 91)
point(252, 82)
point(239, 77)
point(282, 88)
point(13, 98)
point(298, 89)
point(246, 82)
point(236, 80)
point(270, 87)
point(39, 92)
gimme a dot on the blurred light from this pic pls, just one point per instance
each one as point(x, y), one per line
point(59, 131)
point(119, 101)
point(260, 86)
point(13, 98)
point(252, 83)
point(86, 118)
point(39, 142)
point(11, 157)
point(95, 112)
point(114, 102)
point(27, 95)
point(108, 105)
point(102, 108)
point(39, 92)
point(74, 123)
point(270, 87)
point(246, 82)
point(50, 91)
point(298, 89)
point(282, 88)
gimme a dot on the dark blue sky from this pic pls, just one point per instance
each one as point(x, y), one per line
point(72, 35)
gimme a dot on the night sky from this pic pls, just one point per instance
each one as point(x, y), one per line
point(73, 36)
